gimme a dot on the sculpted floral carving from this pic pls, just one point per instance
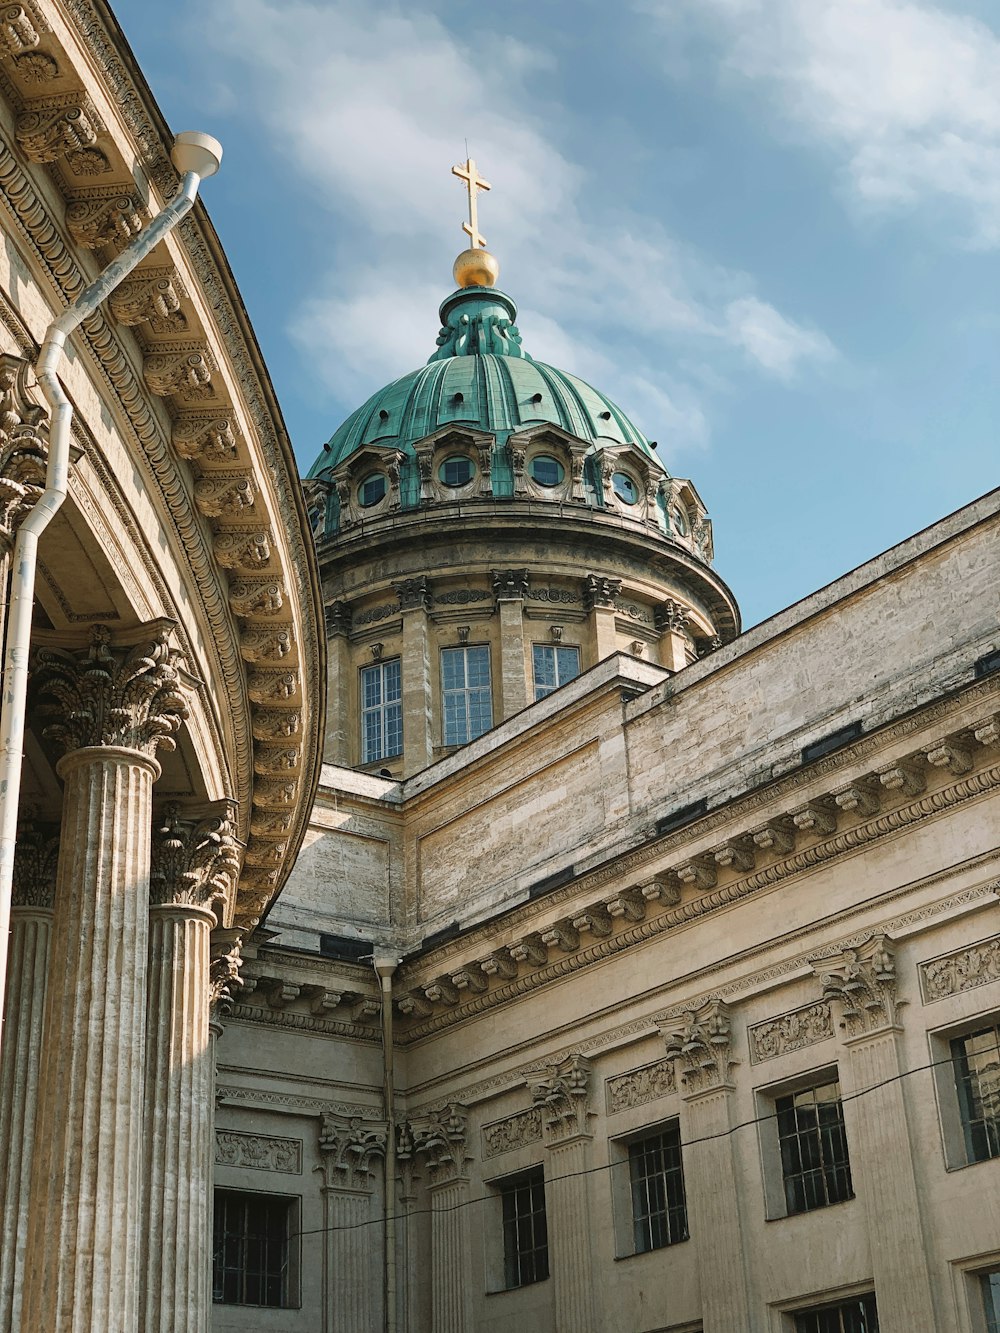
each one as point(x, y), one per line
point(50, 129)
point(23, 447)
point(258, 1152)
point(438, 1139)
point(257, 597)
point(638, 1086)
point(204, 436)
point(599, 591)
point(193, 861)
point(224, 967)
point(246, 550)
point(965, 969)
point(228, 494)
point(184, 372)
point(700, 1043)
point(267, 643)
point(21, 27)
point(348, 1146)
point(515, 1132)
point(36, 858)
point(153, 297)
point(109, 218)
point(790, 1032)
point(509, 583)
point(562, 1094)
point(131, 699)
point(861, 981)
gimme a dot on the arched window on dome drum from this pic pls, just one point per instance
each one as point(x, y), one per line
point(372, 489)
point(546, 470)
point(456, 471)
point(626, 488)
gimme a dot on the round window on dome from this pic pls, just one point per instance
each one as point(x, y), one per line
point(626, 488)
point(372, 489)
point(546, 470)
point(456, 471)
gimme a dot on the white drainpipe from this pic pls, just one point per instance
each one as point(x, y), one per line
point(385, 966)
point(195, 156)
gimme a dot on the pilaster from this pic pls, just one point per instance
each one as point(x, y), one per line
point(352, 1258)
point(861, 985)
point(509, 588)
point(339, 686)
point(418, 737)
point(700, 1043)
point(599, 596)
point(111, 709)
point(562, 1094)
point(30, 929)
point(194, 866)
point(438, 1140)
point(671, 620)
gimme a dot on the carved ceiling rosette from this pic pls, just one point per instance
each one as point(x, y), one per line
point(36, 858)
point(562, 1094)
point(700, 1042)
point(104, 697)
point(348, 1147)
point(861, 983)
point(194, 862)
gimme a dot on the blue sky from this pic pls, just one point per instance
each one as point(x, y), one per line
point(770, 229)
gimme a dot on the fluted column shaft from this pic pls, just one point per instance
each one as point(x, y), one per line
point(83, 1254)
point(178, 1103)
point(569, 1230)
point(27, 966)
point(352, 1299)
point(882, 1167)
point(450, 1257)
point(710, 1174)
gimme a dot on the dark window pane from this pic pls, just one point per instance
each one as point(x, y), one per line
point(976, 1060)
point(659, 1208)
point(858, 1315)
point(250, 1251)
point(813, 1146)
point(525, 1233)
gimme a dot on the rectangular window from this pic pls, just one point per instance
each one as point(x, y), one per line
point(250, 1249)
point(989, 1289)
point(659, 1209)
point(466, 695)
point(814, 1164)
point(381, 711)
point(976, 1060)
point(855, 1316)
point(525, 1234)
point(553, 666)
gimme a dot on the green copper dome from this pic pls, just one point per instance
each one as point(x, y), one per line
point(480, 377)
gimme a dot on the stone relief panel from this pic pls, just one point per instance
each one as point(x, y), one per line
point(790, 1031)
point(975, 965)
point(515, 1132)
point(638, 1086)
point(258, 1152)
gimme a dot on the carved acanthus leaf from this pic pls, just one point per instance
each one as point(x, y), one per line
point(562, 1094)
point(700, 1042)
point(600, 592)
point(438, 1139)
point(194, 861)
point(185, 373)
point(267, 643)
point(348, 1147)
point(224, 967)
point(23, 445)
point(244, 550)
point(152, 296)
point(100, 696)
point(48, 129)
point(36, 858)
point(226, 494)
point(790, 1032)
point(205, 436)
point(862, 983)
point(21, 27)
point(110, 218)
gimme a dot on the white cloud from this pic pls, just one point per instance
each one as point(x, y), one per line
point(906, 94)
point(371, 130)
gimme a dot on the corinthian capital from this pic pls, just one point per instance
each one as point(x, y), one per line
point(562, 1094)
point(348, 1147)
point(861, 982)
point(23, 448)
point(194, 861)
point(131, 699)
point(700, 1043)
point(36, 856)
point(438, 1139)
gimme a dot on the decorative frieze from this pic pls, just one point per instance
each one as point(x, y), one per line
point(516, 1131)
point(376, 613)
point(258, 1152)
point(103, 697)
point(699, 1041)
point(861, 982)
point(561, 1092)
point(964, 969)
point(556, 596)
point(790, 1032)
point(194, 861)
point(639, 1086)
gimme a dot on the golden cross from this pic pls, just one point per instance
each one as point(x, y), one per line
point(474, 183)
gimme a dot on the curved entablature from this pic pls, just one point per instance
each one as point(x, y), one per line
point(192, 458)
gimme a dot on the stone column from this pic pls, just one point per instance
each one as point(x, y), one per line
point(860, 984)
point(699, 1041)
point(23, 454)
point(418, 722)
point(561, 1092)
point(352, 1256)
point(671, 619)
point(510, 587)
point(27, 967)
point(194, 868)
point(599, 595)
point(439, 1141)
point(112, 710)
point(339, 742)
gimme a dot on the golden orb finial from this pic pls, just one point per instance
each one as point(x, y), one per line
point(476, 268)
